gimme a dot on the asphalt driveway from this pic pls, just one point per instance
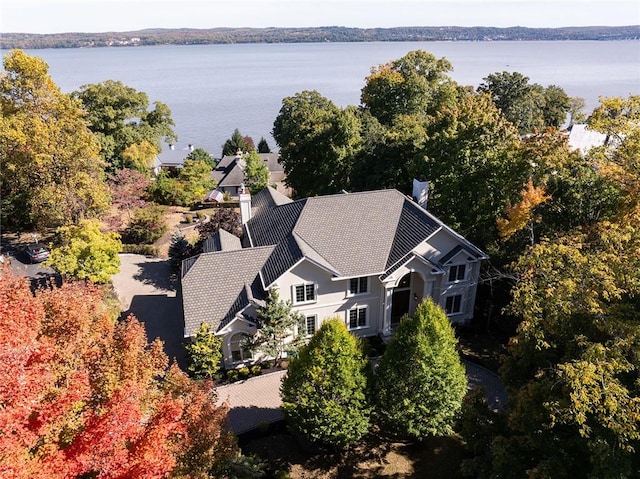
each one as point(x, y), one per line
point(147, 289)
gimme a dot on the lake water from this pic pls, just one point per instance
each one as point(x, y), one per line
point(213, 89)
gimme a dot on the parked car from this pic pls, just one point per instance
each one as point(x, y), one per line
point(36, 252)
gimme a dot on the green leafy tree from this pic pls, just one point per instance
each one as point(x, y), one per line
point(195, 179)
point(576, 111)
point(263, 146)
point(85, 252)
point(420, 381)
point(256, 173)
point(325, 392)
point(51, 173)
point(205, 352)
point(277, 328)
point(410, 85)
point(318, 143)
point(120, 117)
point(147, 225)
point(236, 143)
point(202, 154)
point(529, 107)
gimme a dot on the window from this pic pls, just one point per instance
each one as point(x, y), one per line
point(357, 317)
point(358, 285)
point(304, 293)
point(310, 324)
point(456, 272)
point(238, 351)
point(452, 304)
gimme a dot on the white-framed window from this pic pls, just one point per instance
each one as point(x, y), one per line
point(304, 293)
point(357, 317)
point(453, 304)
point(238, 351)
point(358, 285)
point(457, 272)
point(310, 323)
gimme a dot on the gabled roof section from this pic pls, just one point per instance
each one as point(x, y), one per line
point(470, 250)
point(414, 226)
point(274, 226)
point(221, 241)
point(267, 199)
point(353, 232)
point(228, 273)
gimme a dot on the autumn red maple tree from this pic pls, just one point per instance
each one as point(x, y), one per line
point(83, 394)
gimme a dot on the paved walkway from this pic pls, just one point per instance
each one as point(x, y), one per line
point(257, 400)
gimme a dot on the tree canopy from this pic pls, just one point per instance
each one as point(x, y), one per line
point(51, 174)
point(325, 394)
point(119, 115)
point(420, 381)
point(530, 107)
point(85, 252)
point(84, 395)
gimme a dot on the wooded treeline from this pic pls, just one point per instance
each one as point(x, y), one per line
point(190, 36)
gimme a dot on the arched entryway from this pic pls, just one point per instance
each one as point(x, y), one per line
point(406, 296)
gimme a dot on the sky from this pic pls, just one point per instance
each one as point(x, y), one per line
point(56, 16)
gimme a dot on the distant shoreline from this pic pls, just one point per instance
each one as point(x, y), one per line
point(188, 36)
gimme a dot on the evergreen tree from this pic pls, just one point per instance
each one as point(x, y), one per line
point(325, 392)
point(263, 146)
point(277, 324)
point(205, 352)
point(179, 249)
point(237, 142)
point(420, 381)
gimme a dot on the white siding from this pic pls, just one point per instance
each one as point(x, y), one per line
point(332, 296)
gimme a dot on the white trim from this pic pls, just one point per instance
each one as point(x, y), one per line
point(358, 308)
point(465, 277)
point(461, 306)
point(367, 290)
point(306, 326)
point(304, 285)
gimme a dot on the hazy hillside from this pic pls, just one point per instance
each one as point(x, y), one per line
point(188, 36)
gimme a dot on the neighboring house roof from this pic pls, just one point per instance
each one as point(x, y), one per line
point(348, 235)
point(583, 139)
point(172, 157)
point(229, 171)
point(233, 274)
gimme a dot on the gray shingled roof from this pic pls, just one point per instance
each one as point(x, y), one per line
point(353, 234)
point(349, 234)
point(214, 285)
point(221, 241)
point(229, 173)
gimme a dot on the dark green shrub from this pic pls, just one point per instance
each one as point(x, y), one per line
point(232, 375)
point(146, 249)
point(243, 373)
point(256, 370)
point(147, 226)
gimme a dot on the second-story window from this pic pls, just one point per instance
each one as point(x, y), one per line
point(457, 272)
point(358, 285)
point(304, 293)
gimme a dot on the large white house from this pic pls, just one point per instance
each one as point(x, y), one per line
point(368, 258)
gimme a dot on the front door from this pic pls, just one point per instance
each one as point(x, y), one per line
point(399, 306)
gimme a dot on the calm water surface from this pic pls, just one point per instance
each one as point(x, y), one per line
point(213, 89)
